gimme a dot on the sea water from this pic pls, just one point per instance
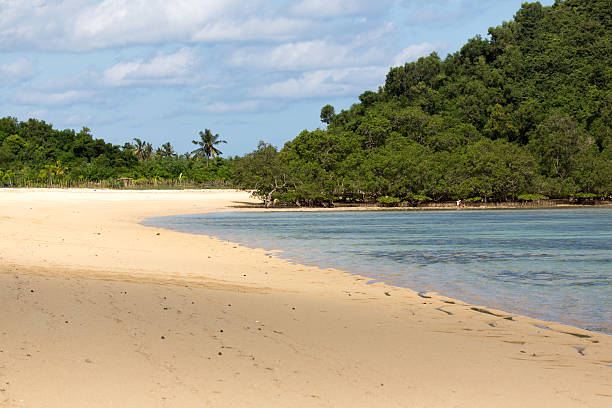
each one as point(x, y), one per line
point(550, 264)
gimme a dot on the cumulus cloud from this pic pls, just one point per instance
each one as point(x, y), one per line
point(368, 46)
point(124, 22)
point(335, 8)
point(174, 68)
point(112, 22)
point(304, 49)
point(253, 29)
point(82, 25)
point(293, 55)
point(413, 52)
point(31, 21)
point(324, 83)
point(223, 107)
point(16, 71)
point(53, 98)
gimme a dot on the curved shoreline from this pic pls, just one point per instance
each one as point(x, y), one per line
point(320, 332)
point(603, 326)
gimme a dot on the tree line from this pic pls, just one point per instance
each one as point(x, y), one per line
point(523, 114)
point(33, 153)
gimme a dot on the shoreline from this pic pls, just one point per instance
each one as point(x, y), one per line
point(281, 254)
point(53, 243)
point(341, 206)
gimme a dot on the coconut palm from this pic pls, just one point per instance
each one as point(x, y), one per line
point(128, 147)
point(139, 148)
point(167, 150)
point(148, 151)
point(56, 169)
point(207, 145)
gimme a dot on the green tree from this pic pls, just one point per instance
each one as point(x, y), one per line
point(327, 114)
point(139, 148)
point(499, 125)
point(207, 143)
point(147, 152)
point(264, 171)
point(557, 140)
point(168, 150)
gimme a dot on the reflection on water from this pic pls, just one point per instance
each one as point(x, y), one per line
point(551, 264)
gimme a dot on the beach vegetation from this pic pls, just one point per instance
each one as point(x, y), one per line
point(34, 154)
point(522, 113)
point(388, 201)
point(531, 197)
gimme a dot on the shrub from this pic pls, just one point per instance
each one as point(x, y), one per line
point(585, 196)
point(387, 201)
point(531, 197)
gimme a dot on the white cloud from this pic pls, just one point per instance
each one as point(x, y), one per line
point(324, 83)
point(253, 29)
point(298, 55)
point(174, 68)
point(305, 55)
point(413, 52)
point(122, 22)
point(53, 98)
point(83, 25)
point(35, 22)
point(335, 8)
point(304, 49)
point(223, 107)
point(18, 70)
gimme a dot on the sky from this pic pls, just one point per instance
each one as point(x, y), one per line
point(163, 70)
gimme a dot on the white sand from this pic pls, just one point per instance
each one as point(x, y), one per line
point(86, 294)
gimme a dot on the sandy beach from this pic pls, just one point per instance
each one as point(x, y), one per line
point(100, 311)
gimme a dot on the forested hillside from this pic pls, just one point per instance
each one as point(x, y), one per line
point(32, 153)
point(523, 113)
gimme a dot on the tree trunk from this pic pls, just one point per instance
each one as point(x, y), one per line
point(268, 199)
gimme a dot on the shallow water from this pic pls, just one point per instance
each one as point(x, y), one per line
point(549, 264)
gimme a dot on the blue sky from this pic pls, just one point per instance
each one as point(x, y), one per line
point(163, 70)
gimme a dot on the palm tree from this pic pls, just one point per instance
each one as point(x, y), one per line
point(167, 150)
point(148, 151)
point(207, 145)
point(128, 147)
point(55, 170)
point(139, 148)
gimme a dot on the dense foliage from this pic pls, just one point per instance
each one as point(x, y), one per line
point(525, 112)
point(33, 153)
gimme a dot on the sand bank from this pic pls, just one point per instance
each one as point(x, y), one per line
point(100, 311)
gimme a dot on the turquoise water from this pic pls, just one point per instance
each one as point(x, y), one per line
point(549, 264)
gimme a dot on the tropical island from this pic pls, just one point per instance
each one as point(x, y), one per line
point(149, 278)
point(523, 114)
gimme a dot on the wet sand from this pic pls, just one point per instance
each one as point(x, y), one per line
point(100, 311)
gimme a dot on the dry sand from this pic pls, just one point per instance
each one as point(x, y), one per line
point(99, 311)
